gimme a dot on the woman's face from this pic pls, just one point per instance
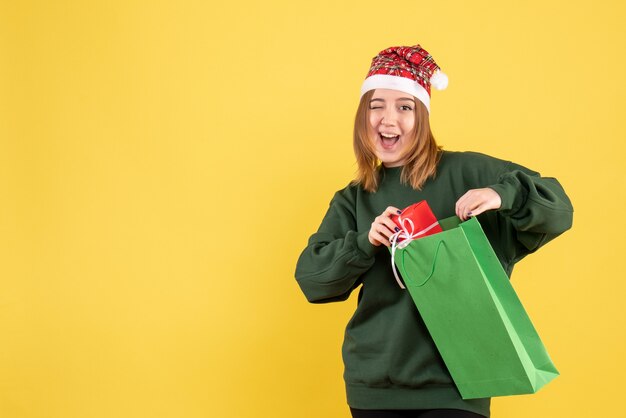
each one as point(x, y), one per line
point(391, 124)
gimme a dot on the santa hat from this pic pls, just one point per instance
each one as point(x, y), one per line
point(410, 69)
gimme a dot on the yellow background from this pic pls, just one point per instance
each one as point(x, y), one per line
point(163, 163)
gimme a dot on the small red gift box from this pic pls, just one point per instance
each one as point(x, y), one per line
point(416, 221)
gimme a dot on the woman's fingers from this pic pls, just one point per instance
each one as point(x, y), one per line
point(391, 210)
point(461, 205)
point(383, 227)
point(467, 209)
point(376, 238)
point(390, 225)
point(477, 201)
point(468, 206)
point(380, 233)
point(385, 219)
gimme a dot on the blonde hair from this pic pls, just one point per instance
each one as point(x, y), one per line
point(421, 158)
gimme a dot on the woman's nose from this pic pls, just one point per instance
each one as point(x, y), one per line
point(389, 117)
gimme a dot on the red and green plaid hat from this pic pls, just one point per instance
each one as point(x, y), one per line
point(410, 69)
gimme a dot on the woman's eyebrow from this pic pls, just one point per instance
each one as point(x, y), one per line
point(382, 100)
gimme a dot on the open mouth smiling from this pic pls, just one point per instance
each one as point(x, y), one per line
point(388, 140)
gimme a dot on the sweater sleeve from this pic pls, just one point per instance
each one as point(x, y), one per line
point(535, 207)
point(336, 255)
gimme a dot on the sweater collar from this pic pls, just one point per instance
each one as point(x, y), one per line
point(390, 172)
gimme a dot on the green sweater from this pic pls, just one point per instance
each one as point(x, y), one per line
point(390, 359)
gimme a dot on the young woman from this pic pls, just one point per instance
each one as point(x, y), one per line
point(392, 367)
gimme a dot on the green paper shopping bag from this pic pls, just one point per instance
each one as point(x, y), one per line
point(472, 312)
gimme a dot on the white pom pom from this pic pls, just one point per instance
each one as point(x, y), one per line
point(439, 80)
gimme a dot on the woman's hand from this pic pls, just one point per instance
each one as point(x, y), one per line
point(477, 201)
point(383, 227)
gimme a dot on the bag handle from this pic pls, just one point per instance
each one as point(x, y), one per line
point(432, 270)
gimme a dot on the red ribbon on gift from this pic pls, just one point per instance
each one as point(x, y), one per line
point(415, 221)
